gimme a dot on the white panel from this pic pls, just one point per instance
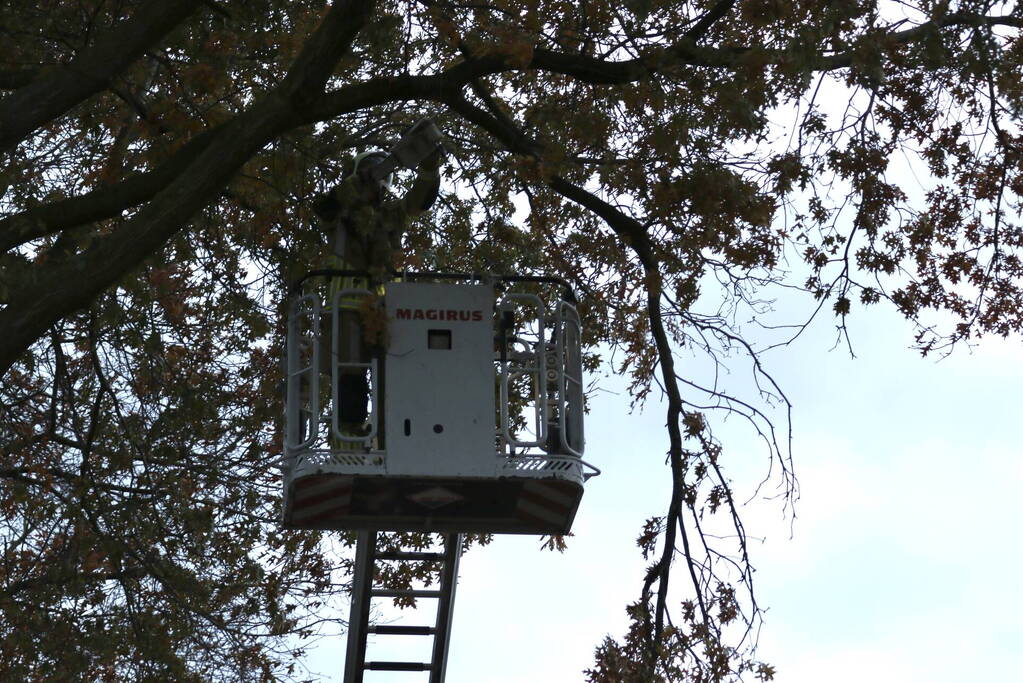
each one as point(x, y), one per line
point(445, 396)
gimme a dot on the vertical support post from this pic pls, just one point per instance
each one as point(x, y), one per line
point(358, 619)
point(302, 379)
point(445, 606)
point(532, 363)
point(570, 379)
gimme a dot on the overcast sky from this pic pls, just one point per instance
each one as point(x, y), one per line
point(903, 563)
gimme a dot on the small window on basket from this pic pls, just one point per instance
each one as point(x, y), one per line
point(439, 339)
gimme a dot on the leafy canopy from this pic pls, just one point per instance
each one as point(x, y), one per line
point(160, 162)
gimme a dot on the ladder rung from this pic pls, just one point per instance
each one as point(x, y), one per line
point(397, 666)
point(389, 593)
point(398, 555)
point(403, 630)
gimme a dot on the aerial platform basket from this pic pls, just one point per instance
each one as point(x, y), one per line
point(473, 405)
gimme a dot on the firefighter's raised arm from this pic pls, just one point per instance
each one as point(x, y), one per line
point(423, 192)
point(421, 148)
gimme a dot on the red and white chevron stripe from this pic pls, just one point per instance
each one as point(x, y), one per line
point(546, 502)
point(321, 497)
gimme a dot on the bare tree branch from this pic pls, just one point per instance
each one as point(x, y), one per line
point(110, 201)
point(700, 28)
point(842, 60)
point(12, 79)
point(104, 202)
point(59, 88)
point(66, 286)
point(595, 71)
point(634, 236)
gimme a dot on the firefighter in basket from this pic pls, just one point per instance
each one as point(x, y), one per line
point(366, 223)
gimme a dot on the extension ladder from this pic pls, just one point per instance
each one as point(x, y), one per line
point(364, 590)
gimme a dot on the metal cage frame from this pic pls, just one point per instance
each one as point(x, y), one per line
point(316, 445)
